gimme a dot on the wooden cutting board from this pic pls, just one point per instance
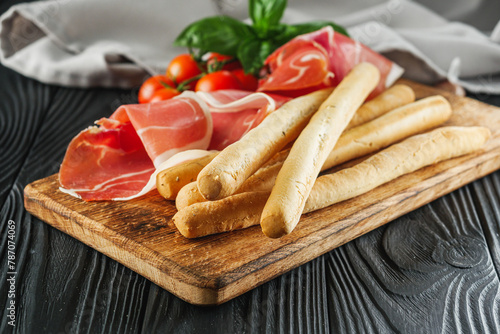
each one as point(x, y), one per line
point(214, 269)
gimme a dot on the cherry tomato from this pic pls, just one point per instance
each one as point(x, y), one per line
point(182, 68)
point(214, 58)
point(151, 85)
point(248, 81)
point(164, 94)
point(216, 81)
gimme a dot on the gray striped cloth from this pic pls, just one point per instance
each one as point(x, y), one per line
point(117, 43)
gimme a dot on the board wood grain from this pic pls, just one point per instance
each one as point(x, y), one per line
point(214, 269)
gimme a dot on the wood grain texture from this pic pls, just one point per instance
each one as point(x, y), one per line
point(215, 269)
point(37, 122)
point(68, 287)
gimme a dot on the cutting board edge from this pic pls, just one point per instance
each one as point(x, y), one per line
point(420, 193)
point(217, 290)
point(206, 291)
point(41, 205)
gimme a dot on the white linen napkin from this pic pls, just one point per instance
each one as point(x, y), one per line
point(117, 43)
point(84, 43)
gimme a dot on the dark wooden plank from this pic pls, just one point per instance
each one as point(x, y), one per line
point(20, 122)
point(215, 269)
point(436, 257)
point(387, 281)
point(314, 296)
point(62, 285)
point(67, 287)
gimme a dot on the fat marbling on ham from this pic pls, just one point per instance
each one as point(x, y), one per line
point(233, 113)
point(119, 158)
point(321, 59)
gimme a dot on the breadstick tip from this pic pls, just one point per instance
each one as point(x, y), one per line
point(406, 88)
point(274, 227)
point(209, 186)
point(179, 220)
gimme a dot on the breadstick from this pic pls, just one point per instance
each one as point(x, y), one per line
point(300, 169)
point(394, 126)
point(262, 180)
point(223, 175)
point(244, 210)
point(399, 159)
point(188, 195)
point(171, 180)
point(228, 214)
point(367, 138)
point(392, 98)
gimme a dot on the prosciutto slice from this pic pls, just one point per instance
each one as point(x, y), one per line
point(119, 158)
point(106, 162)
point(234, 113)
point(319, 59)
point(170, 127)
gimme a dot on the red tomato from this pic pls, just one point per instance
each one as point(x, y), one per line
point(216, 81)
point(215, 57)
point(182, 68)
point(151, 85)
point(248, 81)
point(164, 94)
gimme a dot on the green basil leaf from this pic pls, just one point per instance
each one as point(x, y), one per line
point(266, 14)
point(294, 30)
point(253, 52)
point(220, 34)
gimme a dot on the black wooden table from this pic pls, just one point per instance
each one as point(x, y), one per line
point(435, 270)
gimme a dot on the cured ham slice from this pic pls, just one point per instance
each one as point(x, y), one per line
point(119, 158)
point(321, 58)
point(106, 162)
point(303, 64)
point(169, 127)
point(235, 112)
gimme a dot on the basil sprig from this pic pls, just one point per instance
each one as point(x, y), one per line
point(250, 44)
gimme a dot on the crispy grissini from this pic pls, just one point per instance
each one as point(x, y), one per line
point(262, 180)
point(171, 180)
point(311, 148)
point(392, 98)
point(234, 212)
point(394, 126)
point(399, 159)
point(233, 165)
point(189, 194)
point(227, 214)
point(365, 139)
